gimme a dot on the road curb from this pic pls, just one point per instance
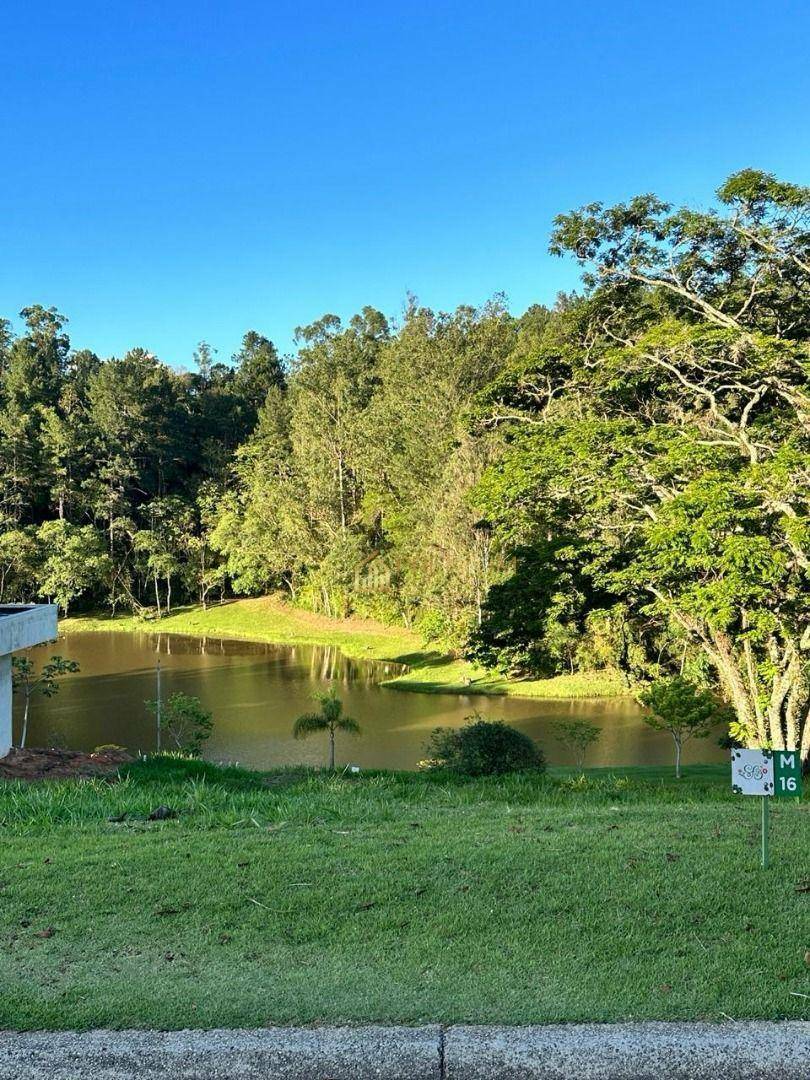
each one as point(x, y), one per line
point(734, 1051)
point(650, 1051)
point(327, 1053)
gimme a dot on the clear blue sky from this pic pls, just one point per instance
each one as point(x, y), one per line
point(183, 170)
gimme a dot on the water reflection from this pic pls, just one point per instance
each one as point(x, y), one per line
point(256, 691)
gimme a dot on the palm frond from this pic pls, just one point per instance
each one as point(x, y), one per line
point(308, 724)
point(331, 705)
point(348, 723)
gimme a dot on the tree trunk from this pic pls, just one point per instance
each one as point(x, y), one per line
point(676, 739)
point(332, 749)
point(342, 493)
point(784, 721)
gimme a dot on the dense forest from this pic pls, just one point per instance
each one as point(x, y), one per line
point(621, 480)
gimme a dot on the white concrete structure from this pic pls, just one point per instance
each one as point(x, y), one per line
point(21, 626)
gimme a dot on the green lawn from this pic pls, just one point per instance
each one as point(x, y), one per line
point(270, 619)
point(443, 675)
point(297, 897)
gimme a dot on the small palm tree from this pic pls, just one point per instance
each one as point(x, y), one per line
point(330, 719)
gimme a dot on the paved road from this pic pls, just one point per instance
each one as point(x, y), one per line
point(753, 1051)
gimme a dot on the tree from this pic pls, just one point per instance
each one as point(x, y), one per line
point(167, 543)
point(333, 382)
point(71, 561)
point(664, 425)
point(685, 711)
point(205, 571)
point(32, 372)
point(577, 736)
point(18, 549)
point(330, 719)
point(418, 462)
point(262, 527)
point(258, 371)
point(185, 721)
point(27, 682)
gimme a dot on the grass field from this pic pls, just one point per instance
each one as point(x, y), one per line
point(298, 897)
point(270, 619)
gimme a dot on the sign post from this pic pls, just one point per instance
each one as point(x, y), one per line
point(766, 773)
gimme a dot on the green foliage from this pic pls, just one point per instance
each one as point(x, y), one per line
point(330, 719)
point(27, 682)
point(661, 424)
point(483, 748)
point(184, 722)
point(577, 736)
point(678, 705)
point(684, 710)
point(71, 560)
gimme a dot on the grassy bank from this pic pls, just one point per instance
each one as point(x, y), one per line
point(297, 897)
point(269, 619)
point(443, 675)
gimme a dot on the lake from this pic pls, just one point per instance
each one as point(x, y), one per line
point(256, 691)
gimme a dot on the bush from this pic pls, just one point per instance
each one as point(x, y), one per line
point(483, 748)
point(577, 736)
point(185, 723)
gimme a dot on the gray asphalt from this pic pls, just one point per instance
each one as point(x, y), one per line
point(754, 1051)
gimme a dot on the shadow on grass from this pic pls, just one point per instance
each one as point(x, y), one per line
point(417, 660)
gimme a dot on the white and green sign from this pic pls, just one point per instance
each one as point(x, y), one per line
point(766, 773)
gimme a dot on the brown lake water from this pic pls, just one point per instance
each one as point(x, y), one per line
point(256, 691)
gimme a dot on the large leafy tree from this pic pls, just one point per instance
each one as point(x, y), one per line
point(32, 368)
point(418, 462)
point(663, 426)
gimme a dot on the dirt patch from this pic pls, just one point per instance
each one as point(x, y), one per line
point(60, 764)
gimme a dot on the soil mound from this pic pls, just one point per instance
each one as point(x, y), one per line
point(60, 764)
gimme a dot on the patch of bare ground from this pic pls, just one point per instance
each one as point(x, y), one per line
point(53, 764)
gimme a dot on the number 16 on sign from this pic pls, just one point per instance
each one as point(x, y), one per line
point(766, 773)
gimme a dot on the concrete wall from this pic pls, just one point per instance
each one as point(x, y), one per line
point(21, 626)
point(30, 624)
point(5, 704)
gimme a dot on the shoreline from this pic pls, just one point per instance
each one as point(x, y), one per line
point(271, 621)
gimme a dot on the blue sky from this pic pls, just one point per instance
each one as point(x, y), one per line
point(181, 170)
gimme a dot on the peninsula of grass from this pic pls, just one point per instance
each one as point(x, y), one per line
point(299, 897)
point(270, 619)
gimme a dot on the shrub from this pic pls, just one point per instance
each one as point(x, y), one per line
point(483, 748)
point(577, 736)
point(185, 722)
